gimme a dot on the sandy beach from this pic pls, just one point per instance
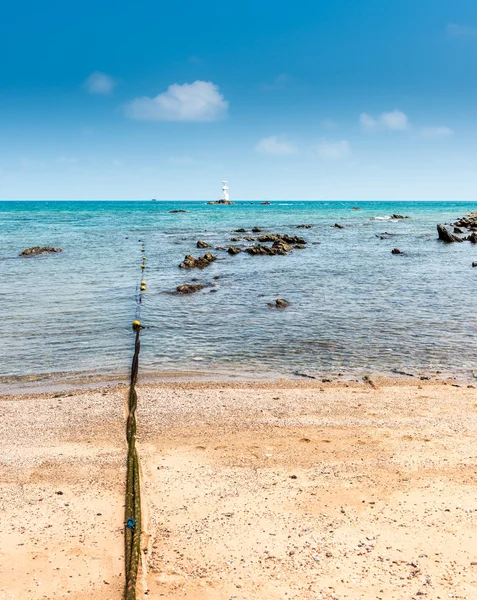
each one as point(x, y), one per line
point(251, 491)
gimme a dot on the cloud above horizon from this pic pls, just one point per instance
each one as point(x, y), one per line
point(461, 31)
point(273, 146)
point(437, 131)
point(395, 120)
point(328, 149)
point(197, 101)
point(100, 83)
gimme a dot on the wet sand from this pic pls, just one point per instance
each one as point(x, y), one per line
point(251, 491)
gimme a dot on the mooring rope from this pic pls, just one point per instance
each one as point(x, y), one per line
point(132, 537)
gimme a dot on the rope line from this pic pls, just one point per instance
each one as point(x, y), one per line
point(132, 516)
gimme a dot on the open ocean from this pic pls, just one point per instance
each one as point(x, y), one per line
point(355, 308)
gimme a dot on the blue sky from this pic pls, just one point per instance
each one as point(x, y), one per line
point(288, 100)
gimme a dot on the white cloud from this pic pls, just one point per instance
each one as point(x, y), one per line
point(198, 101)
point(461, 31)
point(395, 120)
point(367, 121)
point(100, 83)
point(437, 131)
point(327, 149)
point(272, 145)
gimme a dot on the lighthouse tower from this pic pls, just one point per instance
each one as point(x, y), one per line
point(225, 192)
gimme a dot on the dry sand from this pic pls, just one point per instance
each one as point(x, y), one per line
point(251, 491)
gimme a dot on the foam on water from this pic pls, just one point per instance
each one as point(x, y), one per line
point(355, 307)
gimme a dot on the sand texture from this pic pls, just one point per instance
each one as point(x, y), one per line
point(251, 491)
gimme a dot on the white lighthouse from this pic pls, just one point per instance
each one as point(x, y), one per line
point(225, 192)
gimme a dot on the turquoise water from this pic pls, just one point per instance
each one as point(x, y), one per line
point(355, 307)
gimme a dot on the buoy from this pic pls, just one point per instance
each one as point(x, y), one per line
point(143, 288)
point(143, 283)
point(143, 258)
point(143, 266)
point(136, 325)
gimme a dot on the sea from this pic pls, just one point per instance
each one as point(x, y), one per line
point(355, 308)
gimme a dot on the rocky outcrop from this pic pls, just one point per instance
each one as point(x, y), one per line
point(221, 202)
point(189, 288)
point(399, 217)
point(276, 237)
point(446, 236)
point(202, 244)
point(264, 202)
point(235, 239)
point(37, 250)
point(177, 211)
point(249, 238)
point(256, 229)
point(473, 238)
point(241, 230)
point(338, 226)
point(197, 263)
point(457, 230)
point(474, 264)
point(396, 251)
point(304, 226)
point(233, 250)
point(279, 303)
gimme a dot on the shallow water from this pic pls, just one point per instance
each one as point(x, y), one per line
point(355, 306)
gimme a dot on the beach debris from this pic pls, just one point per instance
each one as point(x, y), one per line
point(197, 263)
point(178, 210)
point(370, 382)
point(37, 250)
point(298, 374)
point(445, 235)
point(338, 226)
point(279, 303)
point(396, 251)
point(202, 244)
point(189, 288)
point(233, 250)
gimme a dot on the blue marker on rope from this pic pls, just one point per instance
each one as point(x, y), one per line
point(131, 523)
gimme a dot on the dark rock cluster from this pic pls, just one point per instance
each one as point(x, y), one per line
point(37, 250)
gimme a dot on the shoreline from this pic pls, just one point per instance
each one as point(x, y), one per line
point(258, 490)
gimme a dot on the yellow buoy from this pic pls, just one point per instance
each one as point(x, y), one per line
point(144, 258)
point(143, 288)
point(143, 283)
point(143, 266)
point(136, 325)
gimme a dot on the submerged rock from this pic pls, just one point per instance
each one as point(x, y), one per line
point(473, 238)
point(457, 230)
point(396, 251)
point(180, 210)
point(338, 226)
point(249, 238)
point(189, 288)
point(202, 244)
point(241, 230)
point(446, 236)
point(264, 202)
point(233, 250)
point(279, 303)
point(399, 217)
point(197, 263)
point(304, 226)
point(256, 229)
point(474, 264)
point(276, 237)
point(37, 250)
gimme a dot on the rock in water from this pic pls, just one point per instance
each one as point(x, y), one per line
point(338, 226)
point(399, 217)
point(279, 303)
point(457, 230)
point(37, 250)
point(189, 288)
point(446, 236)
point(473, 238)
point(202, 244)
point(197, 263)
point(396, 251)
point(233, 250)
point(474, 264)
point(177, 210)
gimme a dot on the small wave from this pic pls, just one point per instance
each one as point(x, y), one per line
point(381, 219)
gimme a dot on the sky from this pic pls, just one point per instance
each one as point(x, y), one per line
point(285, 100)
